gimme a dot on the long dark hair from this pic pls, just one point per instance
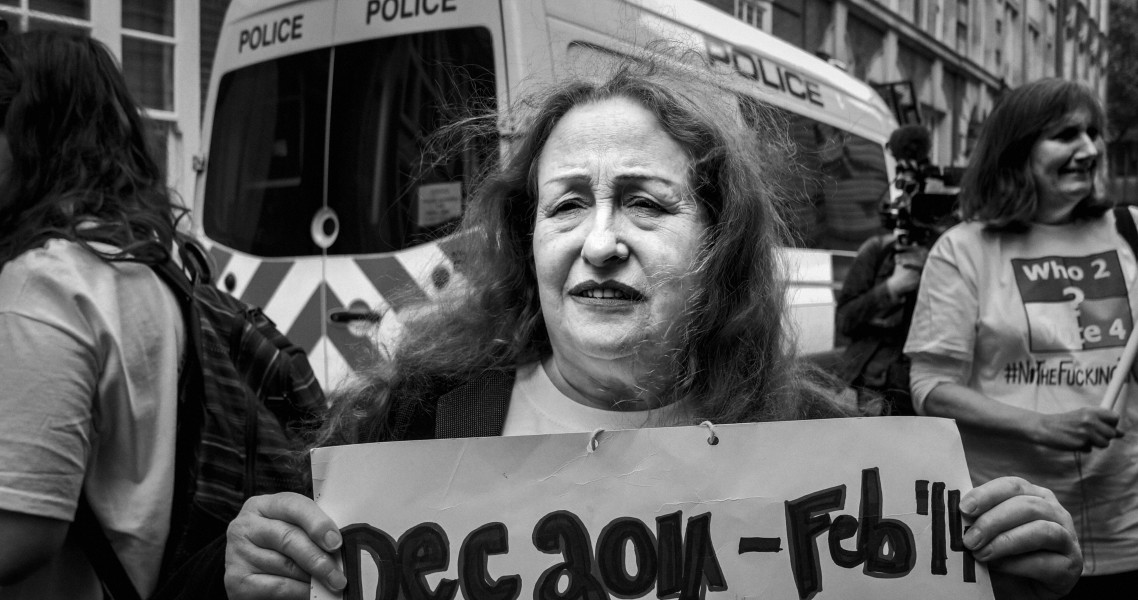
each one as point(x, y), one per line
point(735, 358)
point(998, 188)
point(81, 166)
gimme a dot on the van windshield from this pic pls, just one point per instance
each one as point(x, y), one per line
point(346, 128)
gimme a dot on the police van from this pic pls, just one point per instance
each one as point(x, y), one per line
point(314, 201)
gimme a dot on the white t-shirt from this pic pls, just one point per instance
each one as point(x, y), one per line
point(88, 400)
point(538, 407)
point(1038, 321)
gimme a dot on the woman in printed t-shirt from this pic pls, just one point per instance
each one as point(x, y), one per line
point(1022, 315)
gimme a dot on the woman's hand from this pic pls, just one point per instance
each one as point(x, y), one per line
point(1026, 538)
point(276, 545)
point(1080, 429)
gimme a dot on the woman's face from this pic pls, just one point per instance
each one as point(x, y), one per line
point(615, 239)
point(1063, 163)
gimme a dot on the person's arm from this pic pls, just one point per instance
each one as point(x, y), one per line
point(45, 401)
point(862, 300)
point(27, 543)
point(1079, 429)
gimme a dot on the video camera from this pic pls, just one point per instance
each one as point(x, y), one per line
point(924, 208)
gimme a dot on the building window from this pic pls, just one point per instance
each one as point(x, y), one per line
point(803, 23)
point(76, 9)
point(788, 21)
point(148, 65)
point(144, 36)
point(866, 49)
point(751, 12)
point(59, 15)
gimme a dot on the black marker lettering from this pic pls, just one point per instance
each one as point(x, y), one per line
point(940, 553)
point(806, 518)
point(921, 487)
point(877, 534)
point(492, 538)
point(611, 556)
point(361, 537)
point(428, 8)
point(448, 6)
point(955, 537)
point(425, 549)
point(562, 532)
point(759, 544)
point(844, 528)
point(670, 549)
point(701, 566)
point(372, 10)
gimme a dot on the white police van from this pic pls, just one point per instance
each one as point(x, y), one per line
point(315, 204)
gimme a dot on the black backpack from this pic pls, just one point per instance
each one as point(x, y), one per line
point(245, 395)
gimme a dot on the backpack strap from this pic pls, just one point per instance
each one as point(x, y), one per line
point(93, 539)
point(189, 417)
point(1124, 222)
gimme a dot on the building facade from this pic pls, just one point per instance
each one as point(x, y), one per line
point(157, 45)
point(943, 63)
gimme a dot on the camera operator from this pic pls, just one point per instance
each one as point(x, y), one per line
point(875, 305)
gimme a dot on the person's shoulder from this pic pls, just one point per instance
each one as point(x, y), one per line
point(875, 243)
point(61, 271)
point(57, 260)
point(963, 237)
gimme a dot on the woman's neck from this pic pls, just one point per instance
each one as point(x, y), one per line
point(613, 388)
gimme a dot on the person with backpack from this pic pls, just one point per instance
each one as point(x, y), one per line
point(91, 339)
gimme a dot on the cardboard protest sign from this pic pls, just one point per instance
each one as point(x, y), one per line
point(841, 508)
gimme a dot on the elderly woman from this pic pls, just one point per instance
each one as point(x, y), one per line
point(1024, 307)
point(622, 273)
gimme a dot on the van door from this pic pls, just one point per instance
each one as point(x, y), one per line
point(318, 181)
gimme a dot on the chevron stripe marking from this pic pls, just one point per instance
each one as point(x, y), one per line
point(305, 330)
point(397, 286)
point(265, 281)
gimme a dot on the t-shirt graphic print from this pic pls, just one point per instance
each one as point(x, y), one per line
point(1074, 302)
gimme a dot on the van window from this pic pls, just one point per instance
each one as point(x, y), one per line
point(845, 182)
point(266, 161)
point(840, 187)
point(345, 128)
